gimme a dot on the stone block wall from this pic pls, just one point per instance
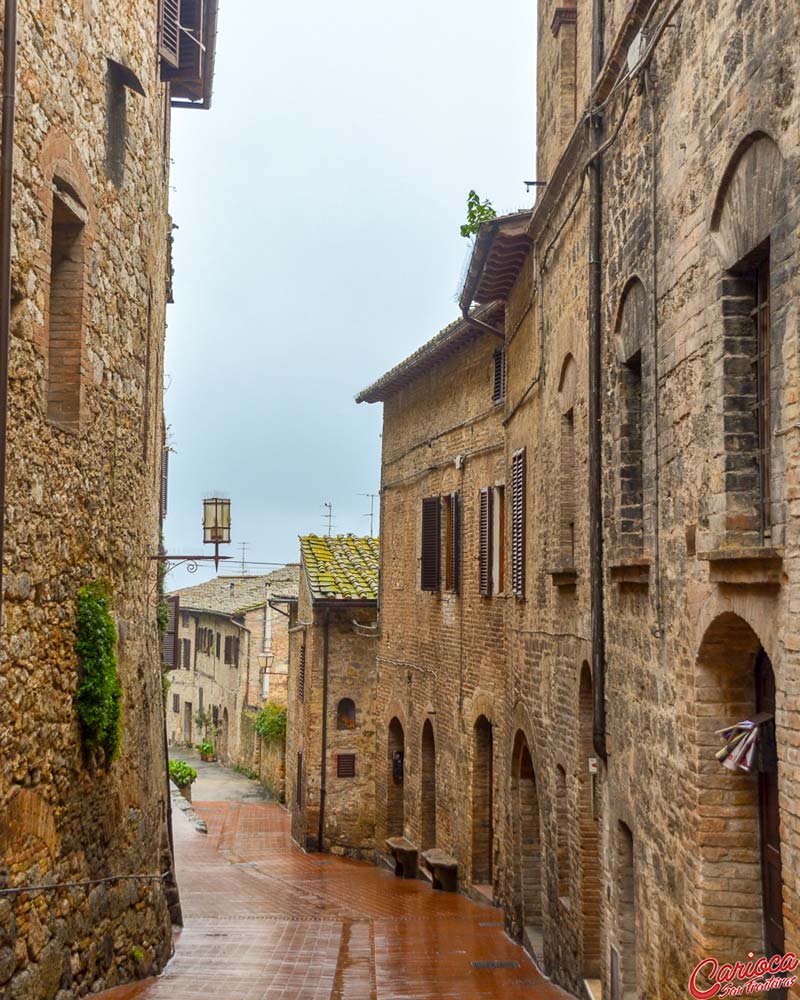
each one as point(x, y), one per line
point(84, 447)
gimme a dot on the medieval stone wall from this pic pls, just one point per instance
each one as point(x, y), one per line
point(632, 874)
point(85, 440)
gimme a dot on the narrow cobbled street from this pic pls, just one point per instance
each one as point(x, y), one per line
point(262, 919)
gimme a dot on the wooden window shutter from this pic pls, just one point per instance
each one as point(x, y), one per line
point(176, 703)
point(301, 681)
point(164, 479)
point(431, 543)
point(236, 652)
point(455, 541)
point(187, 654)
point(485, 541)
point(228, 648)
point(346, 765)
point(169, 644)
point(499, 379)
point(169, 31)
point(518, 522)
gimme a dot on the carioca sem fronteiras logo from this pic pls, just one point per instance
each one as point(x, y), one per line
point(757, 975)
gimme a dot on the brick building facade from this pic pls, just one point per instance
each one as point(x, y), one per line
point(331, 724)
point(90, 282)
point(653, 288)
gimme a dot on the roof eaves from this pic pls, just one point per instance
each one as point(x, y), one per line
point(482, 249)
point(425, 356)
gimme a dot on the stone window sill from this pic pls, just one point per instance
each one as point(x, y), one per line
point(564, 576)
point(745, 565)
point(629, 568)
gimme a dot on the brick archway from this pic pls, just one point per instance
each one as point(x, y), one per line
point(729, 827)
point(395, 775)
point(482, 804)
point(428, 789)
point(527, 843)
point(591, 882)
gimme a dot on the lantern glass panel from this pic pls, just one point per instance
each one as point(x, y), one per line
point(216, 520)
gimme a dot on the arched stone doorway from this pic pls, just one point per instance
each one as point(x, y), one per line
point(428, 790)
point(527, 854)
point(739, 824)
point(394, 780)
point(482, 822)
point(591, 881)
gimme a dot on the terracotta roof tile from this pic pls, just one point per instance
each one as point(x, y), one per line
point(340, 567)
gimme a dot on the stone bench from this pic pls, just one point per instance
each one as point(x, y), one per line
point(405, 856)
point(443, 868)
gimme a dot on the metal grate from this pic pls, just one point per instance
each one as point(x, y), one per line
point(497, 964)
point(346, 765)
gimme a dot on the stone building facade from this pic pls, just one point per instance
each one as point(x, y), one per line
point(624, 853)
point(331, 723)
point(229, 653)
point(90, 280)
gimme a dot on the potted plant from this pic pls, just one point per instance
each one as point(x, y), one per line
point(206, 750)
point(184, 776)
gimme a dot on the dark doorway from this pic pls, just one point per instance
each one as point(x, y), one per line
point(482, 827)
point(428, 811)
point(769, 815)
point(394, 780)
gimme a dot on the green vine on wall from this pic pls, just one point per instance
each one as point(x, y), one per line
point(99, 696)
point(270, 723)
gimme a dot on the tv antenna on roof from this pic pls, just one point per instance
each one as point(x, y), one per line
point(372, 498)
point(328, 516)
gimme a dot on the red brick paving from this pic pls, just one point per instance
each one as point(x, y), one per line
point(264, 920)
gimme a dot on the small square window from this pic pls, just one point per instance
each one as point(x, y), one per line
point(346, 765)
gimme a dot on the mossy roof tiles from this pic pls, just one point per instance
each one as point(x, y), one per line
point(340, 567)
point(231, 595)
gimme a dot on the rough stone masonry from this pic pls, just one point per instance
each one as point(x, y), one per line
point(91, 273)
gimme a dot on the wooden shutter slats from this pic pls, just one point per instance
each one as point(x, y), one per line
point(301, 681)
point(455, 541)
point(164, 480)
point(518, 498)
point(170, 656)
point(346, 765)
point(485, 541)
point(169, 31)
point(431, 543)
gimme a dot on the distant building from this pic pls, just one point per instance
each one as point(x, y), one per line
point(330, 743)
point(229, 652)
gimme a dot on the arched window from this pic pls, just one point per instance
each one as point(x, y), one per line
point(346, 714)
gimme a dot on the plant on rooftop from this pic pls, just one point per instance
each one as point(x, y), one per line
point(99, 696)
point(270, 722)
point(478, 212)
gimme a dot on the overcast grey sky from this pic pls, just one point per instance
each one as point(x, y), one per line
point(319, 203)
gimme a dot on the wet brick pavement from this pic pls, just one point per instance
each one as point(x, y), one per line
point(264, 920)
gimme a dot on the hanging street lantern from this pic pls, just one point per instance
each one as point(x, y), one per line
point(216, 532)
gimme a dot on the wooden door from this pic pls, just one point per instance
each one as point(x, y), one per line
point(769, 816)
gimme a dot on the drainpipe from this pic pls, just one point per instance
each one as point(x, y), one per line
point(472, 321)
point(595, 408)
point(6, 194)
point(324, 765)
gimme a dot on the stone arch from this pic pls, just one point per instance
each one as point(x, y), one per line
point(591, 882)
point(627, 938)
point(395, 777)
point(632, 320)
point(346, 714)
point(632, 429)
point(730, 805)
point(527, 843)
point(749, 200)
point(567, 485)
point(482, 801)
point(428, 787)
point(562, 834)
point(568, 384)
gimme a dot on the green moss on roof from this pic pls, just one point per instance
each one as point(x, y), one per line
point(341, 567)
